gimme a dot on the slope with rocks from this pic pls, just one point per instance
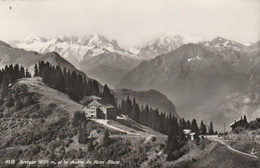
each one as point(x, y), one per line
point(229, 49)
point(194, 76)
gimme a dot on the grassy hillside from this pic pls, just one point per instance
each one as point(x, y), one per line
point(41, 128)
point(212, 154)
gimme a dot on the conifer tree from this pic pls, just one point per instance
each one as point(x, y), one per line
point(194, 126)
point(203, 129)
point(27, 74)
point(245, 119)
point(36, 70)
point(188, 125)
point(211, 131)
point(22, 72)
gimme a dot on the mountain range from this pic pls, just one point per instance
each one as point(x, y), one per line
point(101, 58)
point(11, 55)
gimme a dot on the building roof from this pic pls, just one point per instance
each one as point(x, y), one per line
point(103, 103)
point(187, 131)
point(237, 120)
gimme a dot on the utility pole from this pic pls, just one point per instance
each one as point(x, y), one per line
point(224, 131)
point(206, 127)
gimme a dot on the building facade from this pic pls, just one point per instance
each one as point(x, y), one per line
point(100, 110)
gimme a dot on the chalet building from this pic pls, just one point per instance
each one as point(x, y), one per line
point(238, 123)
point(100, 110)
point(188, 134)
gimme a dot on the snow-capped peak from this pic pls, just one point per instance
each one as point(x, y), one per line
point(32, 39)
point(94, 40)
point(164, 44)
point(221, 44)
point(73, 48)
point(184, 37)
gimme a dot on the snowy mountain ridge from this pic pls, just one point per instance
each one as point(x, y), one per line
point(164, 44)
point(222, 44)
point(73, 48)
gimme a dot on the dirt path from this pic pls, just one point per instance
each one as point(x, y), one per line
point(234, 150)
point(104, 122)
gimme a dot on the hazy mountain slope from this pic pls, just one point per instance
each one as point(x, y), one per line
point(246, 101)
point(153, 98)
point(109, 59)
point(194, 76)
point(4, 44)
point(108, 68)
point(107, 74)
point(249, 63)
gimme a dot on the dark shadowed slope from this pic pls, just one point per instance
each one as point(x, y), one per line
point(153, 98)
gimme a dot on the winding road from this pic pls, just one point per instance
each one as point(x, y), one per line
point(234, 150)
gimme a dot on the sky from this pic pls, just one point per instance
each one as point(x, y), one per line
point(131, 22)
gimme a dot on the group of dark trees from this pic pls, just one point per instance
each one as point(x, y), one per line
point(145, 115)
point(203, 129)
point(166, 124)
point(8, 75)
point(11, 73)
point(159, 121)
point(71, 83)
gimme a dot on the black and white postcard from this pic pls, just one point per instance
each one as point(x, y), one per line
point(130, 83)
